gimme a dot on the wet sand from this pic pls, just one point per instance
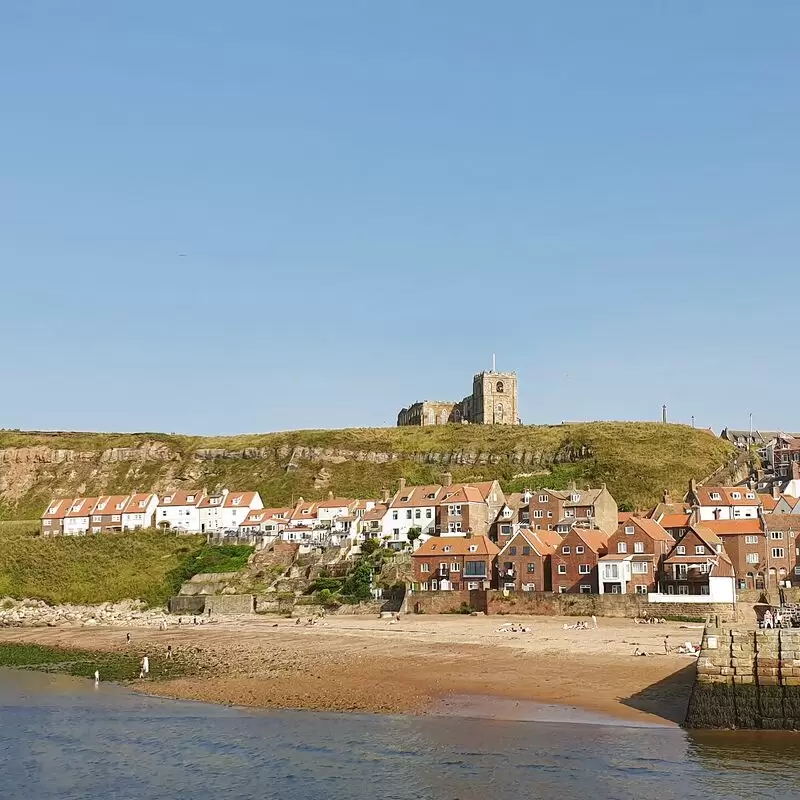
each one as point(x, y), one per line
point(422, 664)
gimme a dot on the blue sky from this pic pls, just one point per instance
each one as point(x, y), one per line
point(218, 218)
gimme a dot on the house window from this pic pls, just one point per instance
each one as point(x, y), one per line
point(736, 495)
point(585, 588)
point(699, 550)
point(549, 515)
point(751, 539)
point(681, 550)
point(752, 558)
point(629, 530)
point(575, 498)
point(565, 550)
point(454, 511)
point(526, 551)
point(776, 535)
point(418, 514)
point(639, 567)
point(569, 513)
point(428, 513)
point(409, 514)
point(641, 589)
point(434, 585)
point(638, 547)
point(454, 567)
point(590, 511)
point(562, 569)
point(425, 568)
point(750, 496)
point(715, 496)
point(97, 519)
point(584, 569)
point(447, 548)
point(512, 551)
point(394, 515)
point(115, 518)
point(454, 527)
point(473, 548)
point(531, 569)
point(579, 549)
point(474, 569)
point(777, 552)
point(562, 589)
point(190, 498)
point(622, 547)
point(424, 587)
point(538, 514)
point(542, 498)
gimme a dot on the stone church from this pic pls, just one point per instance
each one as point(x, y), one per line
point(493, 402)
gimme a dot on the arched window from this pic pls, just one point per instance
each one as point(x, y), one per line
point(499, 387)
point(499, 412)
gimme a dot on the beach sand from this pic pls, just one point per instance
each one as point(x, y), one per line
point(421, 664)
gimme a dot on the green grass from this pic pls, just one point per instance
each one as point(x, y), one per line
point(121, 665)
point(637, 460)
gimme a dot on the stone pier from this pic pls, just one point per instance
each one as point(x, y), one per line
point(747, 679)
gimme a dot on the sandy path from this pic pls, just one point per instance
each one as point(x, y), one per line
point(365, 664)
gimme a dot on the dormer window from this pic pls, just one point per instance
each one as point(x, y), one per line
point(715, 496)
point(736, 495)
point(473, 548)
point(629, 530)
point(751, 496)
point(215, 501)
point(143, 504)
point(190, 498)
point(77, 507)
point(52, 510)
point(575, 498)
point(101, 506)
point(168, 498)
point(305, 511)
point(237, 501)
point(447, 548)
point(120, 506)
point(405, 499)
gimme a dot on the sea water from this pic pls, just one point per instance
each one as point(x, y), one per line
point(62, 738)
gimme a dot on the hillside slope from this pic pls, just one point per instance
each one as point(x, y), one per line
point(637, 461)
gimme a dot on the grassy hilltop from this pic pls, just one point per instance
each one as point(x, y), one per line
point(637, 461)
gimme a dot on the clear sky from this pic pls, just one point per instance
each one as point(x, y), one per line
point(251, 216)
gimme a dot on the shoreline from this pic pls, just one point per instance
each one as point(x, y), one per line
point(421, 665)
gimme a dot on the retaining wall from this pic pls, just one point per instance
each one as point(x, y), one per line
point(187, 605)
point(225, 604)
point(746, 679)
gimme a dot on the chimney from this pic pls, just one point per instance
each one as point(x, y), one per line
point(384, 495)
point(603, 486)
point(401, 484)
point(694, 516)
point(300, 500)
point(468, 534)
point(796, 470)
point(447, 479)
point(693, 486)
point(776, 492)
point(330, 495)
point(572, 486)
point(667, 498)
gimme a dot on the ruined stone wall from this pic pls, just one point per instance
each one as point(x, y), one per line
point(747, 679)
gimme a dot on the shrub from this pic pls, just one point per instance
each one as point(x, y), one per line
point(370, 546)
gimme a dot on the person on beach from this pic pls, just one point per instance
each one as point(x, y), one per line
point(767, 619)
point(594, 620)
point(169, 652)
point(666, 644)
point(127, 638)
point(145, 666)
point(96, 677)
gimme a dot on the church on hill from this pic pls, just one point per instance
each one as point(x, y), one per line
point(493, 402)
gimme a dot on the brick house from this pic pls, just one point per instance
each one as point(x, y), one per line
point(523, 564)
point(469, 507)
point(452, 563)
point(77, 519)
point(633, 561)
point(551, 509)
point(697, 564)
point(763, 551)
point(52, 522)
point(139, 511)
point(574, 565)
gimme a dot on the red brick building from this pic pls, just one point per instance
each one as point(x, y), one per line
point(634, 557)
point(523, 565)
point(574, 563)
point(445, 563)
point(694, 560)
point(469, 507)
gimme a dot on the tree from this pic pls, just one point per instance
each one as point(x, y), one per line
point(370, 546)
point(358, 583)
point(413, 534)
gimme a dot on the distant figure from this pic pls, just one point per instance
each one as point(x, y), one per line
point(297, 621)
point(128, 638)
point(96, 677)
point(666, 644)
point(146, 665)
point(180, 620)
point(194, 619)
point(594, 620)
point(767, 619)
point(169, 652)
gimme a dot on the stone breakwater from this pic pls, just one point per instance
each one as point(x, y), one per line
point(747, 679)
point(37, 614)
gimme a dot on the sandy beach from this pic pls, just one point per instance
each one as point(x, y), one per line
point(420, 664)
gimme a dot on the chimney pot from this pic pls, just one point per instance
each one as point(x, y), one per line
point(667, 498)
point(330, 495)
point(447, 479)
point(776, 493)
point(401, 484)
point(385, 495)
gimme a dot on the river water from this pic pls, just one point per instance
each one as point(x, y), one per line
point(62, 738)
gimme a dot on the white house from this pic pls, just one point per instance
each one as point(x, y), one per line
point(333, 509)
point(237, 506)
point(304, 514)
point(614, 572)
point(139, 511)
point(724, 502)
point(179, 510)
point(77, 519)
point(266, 521)
point(210, 511)
point(411, 507)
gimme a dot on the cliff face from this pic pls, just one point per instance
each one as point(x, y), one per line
point(637, 460)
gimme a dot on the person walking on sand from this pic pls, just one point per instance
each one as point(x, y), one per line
point(594, 620)
point(96, 677)
point(666, 645)
point(146, 665)
point(127, 638)
point(169, 652)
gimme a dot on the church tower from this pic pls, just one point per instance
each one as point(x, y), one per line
point(494, 398)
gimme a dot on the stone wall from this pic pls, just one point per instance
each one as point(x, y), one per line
point(187, 604)
point(746, 679)
point(436, 602)
point(225, 604)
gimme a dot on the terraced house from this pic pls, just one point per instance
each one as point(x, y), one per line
point(453, 563)
point(574, 564)
point(554, 509)
point(524, 563)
